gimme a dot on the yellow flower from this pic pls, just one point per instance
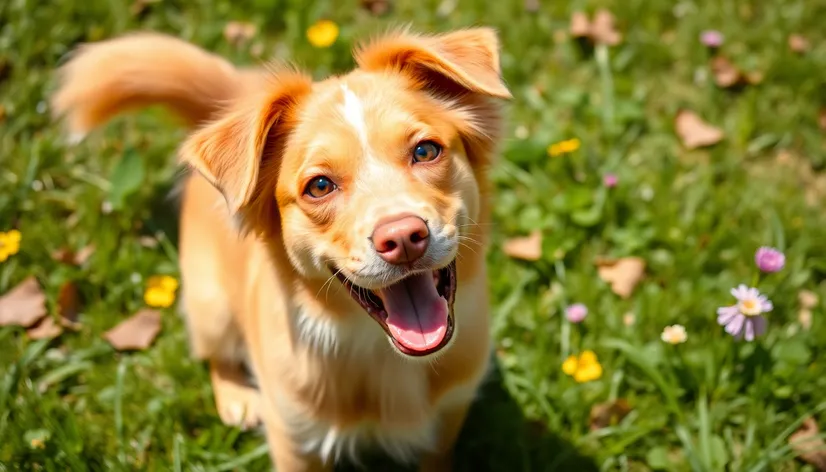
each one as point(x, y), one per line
point(160, 291)
point(322, 34)
point(563, 147)
point(37, 443)
point(9, 244)
point(164, 282)
point(675, 334)
point(583, 368)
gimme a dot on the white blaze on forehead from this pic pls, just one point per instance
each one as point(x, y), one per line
point(353, 111)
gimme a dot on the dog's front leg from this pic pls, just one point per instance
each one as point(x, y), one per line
point(441, 459)
point(285, 453)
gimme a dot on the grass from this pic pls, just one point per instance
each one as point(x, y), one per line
point(695, 216)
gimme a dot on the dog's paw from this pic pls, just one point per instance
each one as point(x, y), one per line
point(238, 406)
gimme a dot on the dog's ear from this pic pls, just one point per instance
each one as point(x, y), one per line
point(229, 151)
point(457, 62)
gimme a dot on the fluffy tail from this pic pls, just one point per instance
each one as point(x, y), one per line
point(106, 78)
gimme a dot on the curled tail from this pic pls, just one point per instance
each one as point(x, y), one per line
point(106, 78)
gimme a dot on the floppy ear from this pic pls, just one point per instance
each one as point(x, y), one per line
point(465, 60)
point(229, 152)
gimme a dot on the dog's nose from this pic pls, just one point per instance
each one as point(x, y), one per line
point(401, 241)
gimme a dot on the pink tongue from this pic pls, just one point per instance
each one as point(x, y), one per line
point(416, 314)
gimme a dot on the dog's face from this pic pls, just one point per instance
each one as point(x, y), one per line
point(374, 176)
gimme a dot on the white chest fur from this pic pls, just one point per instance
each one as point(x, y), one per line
point(405, 427)
point(388, 394)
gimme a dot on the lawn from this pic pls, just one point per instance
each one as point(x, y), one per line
point(691, 204)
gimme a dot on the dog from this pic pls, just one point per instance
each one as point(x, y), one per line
point(332, 232)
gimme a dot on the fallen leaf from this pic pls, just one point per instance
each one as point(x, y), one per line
point(45, 329)
point(68, 305)
point(798, 43)
point(725, 73)
point(807, 299)
point(237, 32)
point(580, 25)
point(532, 6)
point(608, 413)
point(808, 445)
point(528, 248)
point(603, 30)
point(137, 332)
point(622, 274)
point(376, 7)
point(68, 256)
point(694, 132)
point(24, 305)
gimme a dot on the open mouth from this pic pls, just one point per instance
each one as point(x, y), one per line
point(416, 312)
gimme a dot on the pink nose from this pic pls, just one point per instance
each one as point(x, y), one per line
point(401, 241)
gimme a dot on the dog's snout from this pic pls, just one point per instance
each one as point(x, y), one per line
point(401, 241)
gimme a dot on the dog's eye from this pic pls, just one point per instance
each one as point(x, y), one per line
point(426, 151)
point(319, 187)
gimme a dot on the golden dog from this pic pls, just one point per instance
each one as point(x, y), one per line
point(332, 233)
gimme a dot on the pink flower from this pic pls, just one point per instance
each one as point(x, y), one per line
point(712, 38)
point(610, 180)
point(576, 313)
point(745, 319)
point(769, 259)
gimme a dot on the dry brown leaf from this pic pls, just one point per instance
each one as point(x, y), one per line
point(137, 332)
point(623, 274)
point(694, 132)
point(608, 413)
point(68, 305)
point(580, 25)
point(603, 30)
point(527, 248)
point(725, 73)
point(68, 256)
point(532, 6)
point(376, 7)
point(808, 445)
point(45, 329)
point(24, 305)
point(798, 43)
point(237, 32)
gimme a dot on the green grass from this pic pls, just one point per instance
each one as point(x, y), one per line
point(696, 217)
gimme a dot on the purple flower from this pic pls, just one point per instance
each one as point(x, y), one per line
point(745, 319)
point(712, 38)
point(610, 180)
point(576, 313)
point(769, 259)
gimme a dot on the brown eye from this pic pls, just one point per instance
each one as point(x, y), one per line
point(426, 151)
point(319, 187)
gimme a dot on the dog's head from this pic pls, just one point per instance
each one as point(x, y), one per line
point(373, 177)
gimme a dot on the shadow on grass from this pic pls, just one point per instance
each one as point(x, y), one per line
point(498, 437)
point(164, 208)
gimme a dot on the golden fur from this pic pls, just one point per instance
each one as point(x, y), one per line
point(256, 251)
